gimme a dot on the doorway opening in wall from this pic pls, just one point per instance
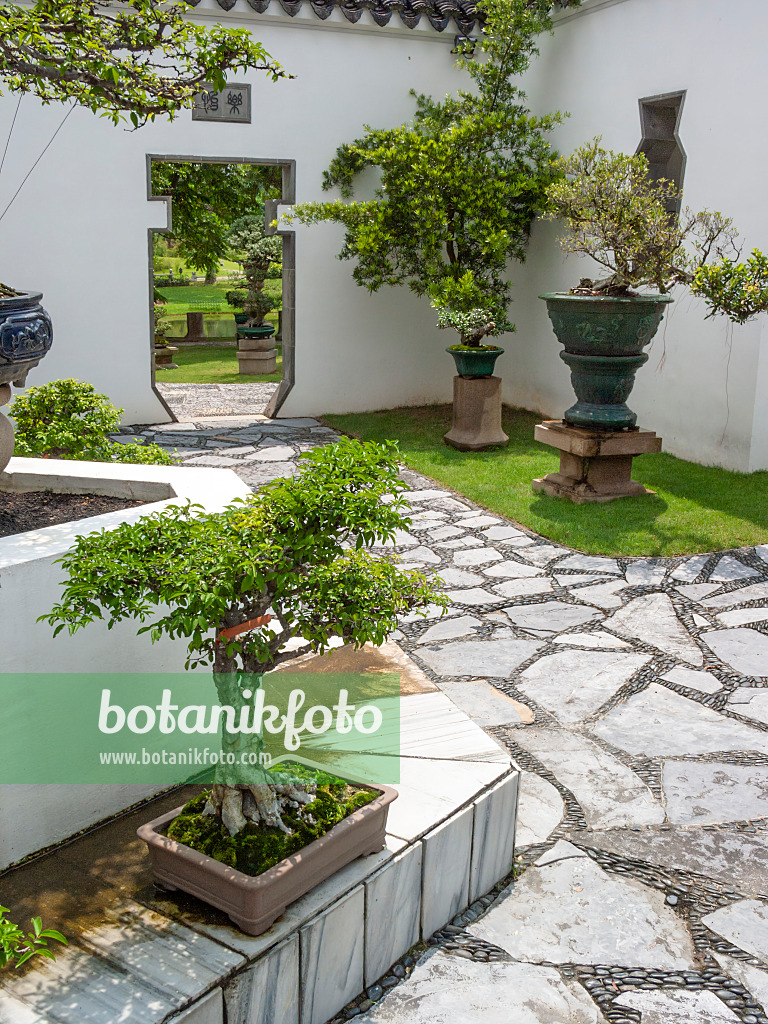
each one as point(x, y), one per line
point(221, 286)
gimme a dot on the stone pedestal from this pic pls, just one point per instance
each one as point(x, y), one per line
point(6, 429)
point(594, 465)
point(255, 360)
point(476, 414)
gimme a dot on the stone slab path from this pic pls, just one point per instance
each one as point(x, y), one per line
point(633, 693)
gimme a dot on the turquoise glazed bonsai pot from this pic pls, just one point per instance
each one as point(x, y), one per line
point(603, 338)
point(475, 362)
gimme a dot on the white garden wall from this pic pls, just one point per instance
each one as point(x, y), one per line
point(78, 230)
point(30, 585)
point(704, 387)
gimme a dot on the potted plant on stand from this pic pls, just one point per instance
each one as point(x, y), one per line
point(162, 350)
point(476, 392)
point(257, 251)
point(619, 216)
point(282, 574)
point(459, 187)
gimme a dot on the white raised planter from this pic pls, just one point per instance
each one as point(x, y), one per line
point(30, 584)
point(450, 838)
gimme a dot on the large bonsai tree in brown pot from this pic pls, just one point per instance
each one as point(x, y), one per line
point(285, 573)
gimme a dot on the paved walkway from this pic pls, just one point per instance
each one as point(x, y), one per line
point(633, 693)
point(191, 400)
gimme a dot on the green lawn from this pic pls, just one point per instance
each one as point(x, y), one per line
point(201, 364)
point(208, 298)
point(696, 508)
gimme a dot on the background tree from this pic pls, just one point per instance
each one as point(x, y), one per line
point(130, 61)
point(459, 185)
point(206, 199)
point(296, 548)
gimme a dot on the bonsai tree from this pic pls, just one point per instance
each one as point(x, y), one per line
point(257, 251)
point(616, 214)
point(16, 947)
point(459, 185)
point(296, 549)
point(69, 419)
point(162, 325)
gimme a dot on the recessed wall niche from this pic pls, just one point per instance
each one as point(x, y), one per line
point(660, 121)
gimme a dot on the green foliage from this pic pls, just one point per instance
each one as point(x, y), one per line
point(696, 508)
point(297, 548)
point(235, 298)
point(618, 216)
point(129, 63)
point(206, 199)
point(257, 848)
point(16, 947)
point(471, 326)
point(459, 185)
point(257, 251)
point(69, 419)
point(161, 323)
point(736, 290)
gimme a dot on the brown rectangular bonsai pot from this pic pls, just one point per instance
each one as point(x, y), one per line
point(254, 902)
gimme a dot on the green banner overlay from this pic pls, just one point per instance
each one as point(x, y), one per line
point(169, 728)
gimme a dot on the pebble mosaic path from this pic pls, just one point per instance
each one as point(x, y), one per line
point(633, 694)
point(197, 400)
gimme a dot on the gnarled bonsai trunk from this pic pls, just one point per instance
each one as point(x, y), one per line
point(245, 793)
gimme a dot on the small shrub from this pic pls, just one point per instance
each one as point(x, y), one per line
point(69, 419)
point(16, 947)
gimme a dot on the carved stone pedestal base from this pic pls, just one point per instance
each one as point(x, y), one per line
point(594, 465)
point(476, 414)
point(257, 362)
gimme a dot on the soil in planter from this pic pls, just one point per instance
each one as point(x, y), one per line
point(32, 510)
point(255, 848)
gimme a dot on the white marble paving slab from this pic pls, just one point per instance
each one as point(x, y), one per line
point(13, 1011)
point(524, 588)
point(388, 934)
point(604, 595)
point(743, 616)
point(208, 1010)
point(82, 989)
point(696, 591)
point(754, 592)
point(161, 952)
point(445, 880)
point(511, 569)
point(493, 841)
point(431, 791)
point(269, 990)
point(331, 958)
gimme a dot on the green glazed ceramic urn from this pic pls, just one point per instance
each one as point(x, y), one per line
point(603, 338)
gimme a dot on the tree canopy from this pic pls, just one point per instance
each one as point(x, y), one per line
point(130, 61)
point(459, 185)
point(206, 199)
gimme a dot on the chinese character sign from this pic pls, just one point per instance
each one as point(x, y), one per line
point(230, 104)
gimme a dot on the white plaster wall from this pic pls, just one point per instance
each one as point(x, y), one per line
point(78, 230)
point(703, 389)
point(30, 585)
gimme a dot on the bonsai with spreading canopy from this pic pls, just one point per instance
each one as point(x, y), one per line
point(296, 550)
point(618, 215)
